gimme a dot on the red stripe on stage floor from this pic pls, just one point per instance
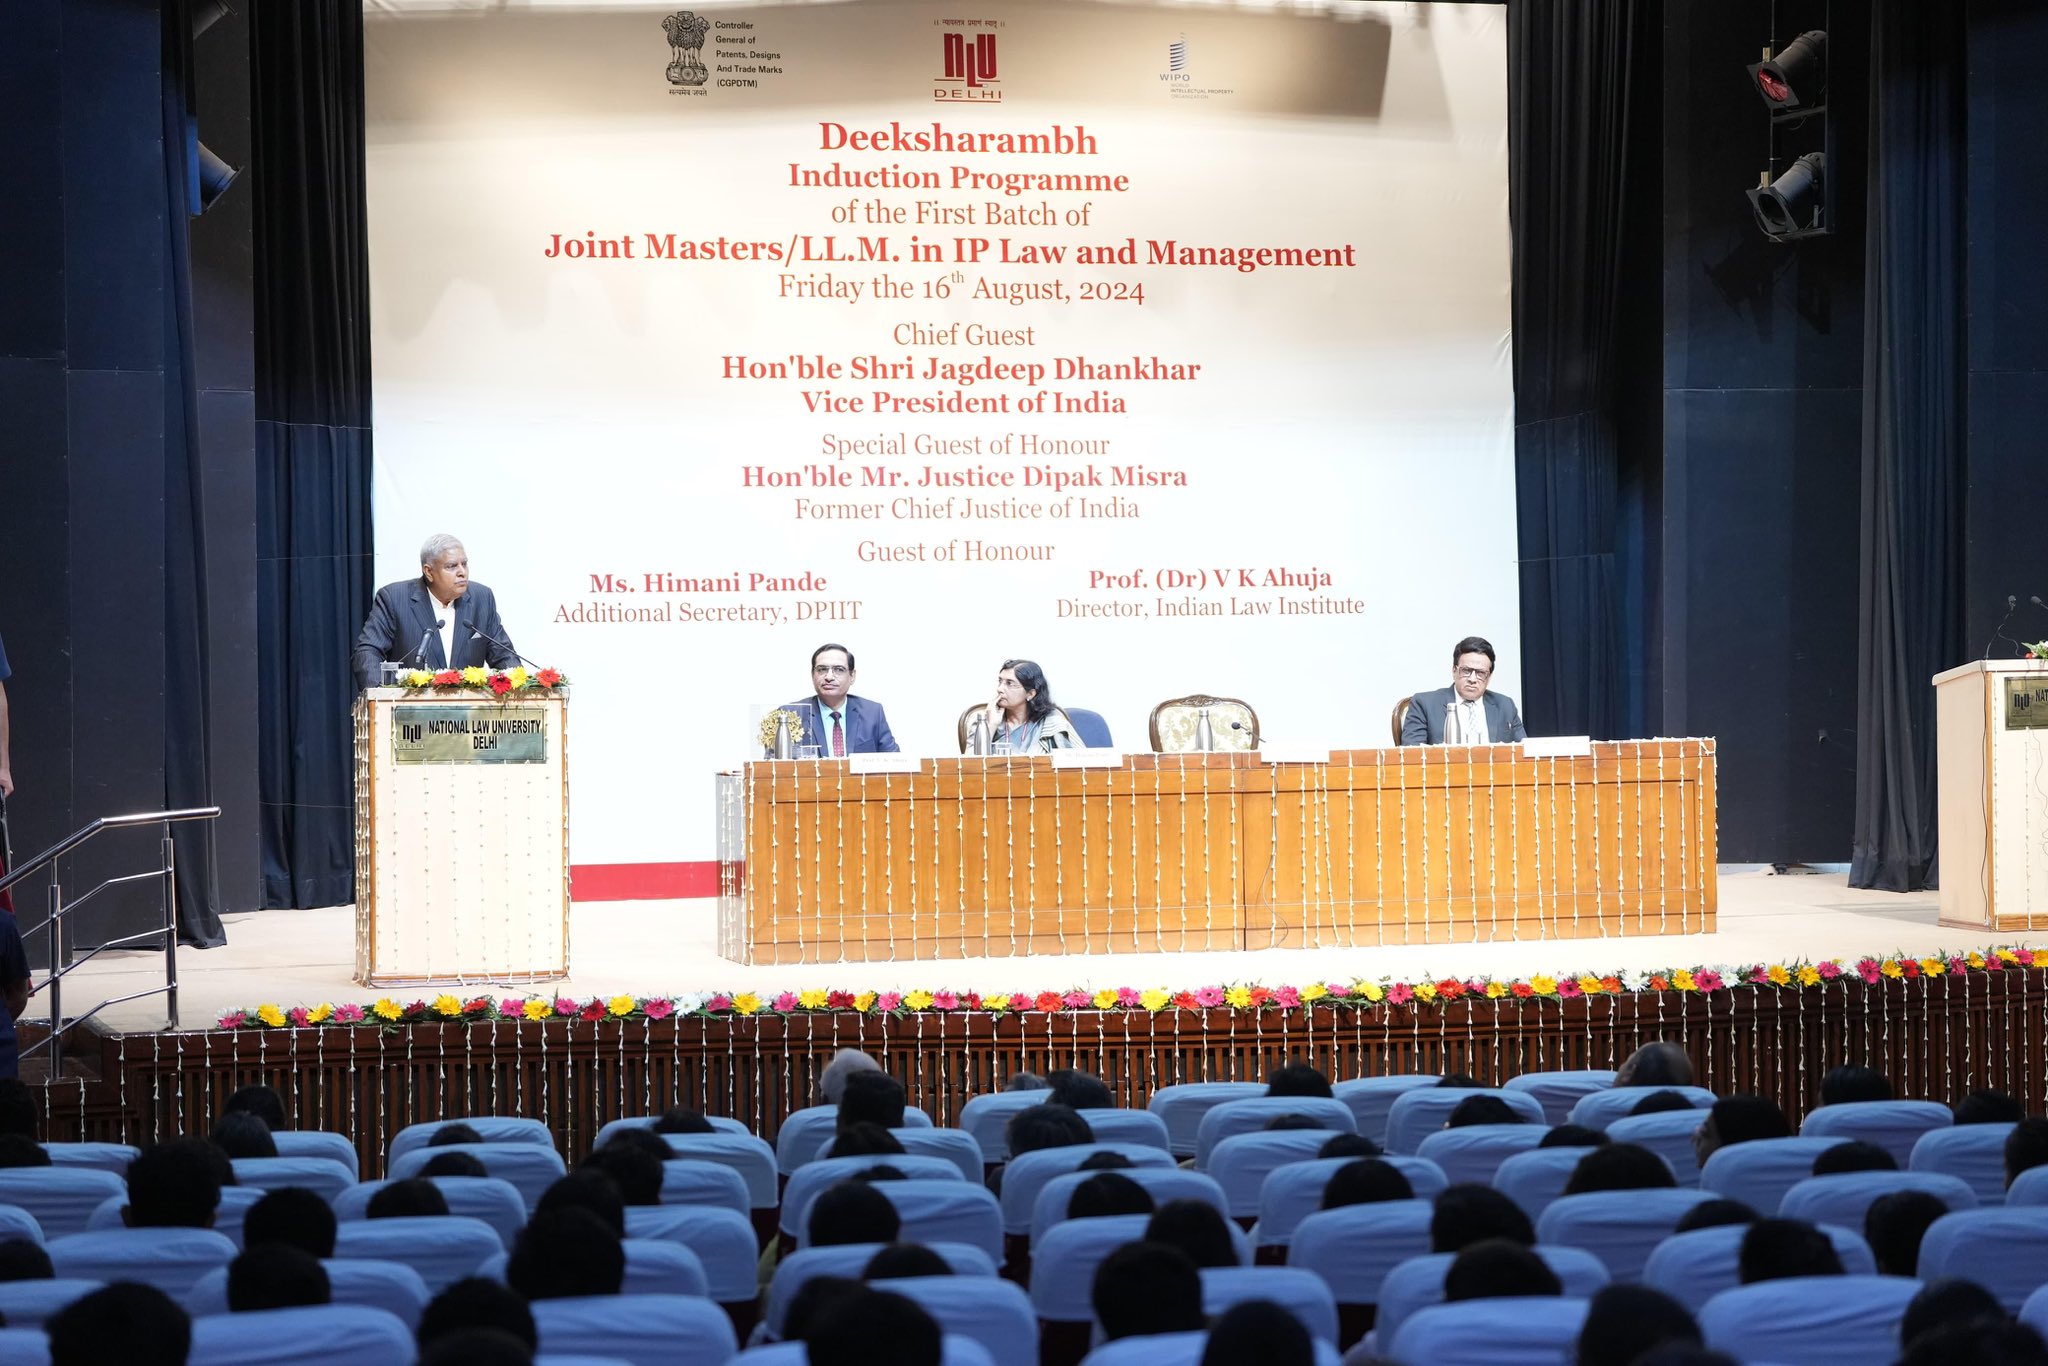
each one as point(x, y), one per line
point(642, 881)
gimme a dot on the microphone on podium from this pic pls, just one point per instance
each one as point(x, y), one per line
point(506, 646)
point(2012, 605)
point(419, 653)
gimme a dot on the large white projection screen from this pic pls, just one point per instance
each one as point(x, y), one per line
point(1166, 345)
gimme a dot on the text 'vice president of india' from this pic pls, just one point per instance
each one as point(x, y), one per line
point(1465, 713)
point(440, 620)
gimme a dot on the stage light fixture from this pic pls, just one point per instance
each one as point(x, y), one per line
point(1796, 79)
point(208, 179)
point(1795, 204)
point(207, 13)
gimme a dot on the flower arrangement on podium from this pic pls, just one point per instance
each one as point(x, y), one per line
point(2038, 650)
point(1360, 995)
point(499, 683)
point(782, 719)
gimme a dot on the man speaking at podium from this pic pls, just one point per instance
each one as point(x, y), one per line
point(1464, 713)
point(440, 620)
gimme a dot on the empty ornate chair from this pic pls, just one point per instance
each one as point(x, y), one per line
point(1232, 723)
point(1401, 716)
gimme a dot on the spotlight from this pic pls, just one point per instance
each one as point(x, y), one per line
point(207, 13)
point(1795, 204)
point(207, 177)
point(1797, 78)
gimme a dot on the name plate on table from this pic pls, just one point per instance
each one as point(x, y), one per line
point(1087, 758)
point(2026, 703)
point(884, 763)
point(470, 733)
point(1558, 746)
point(1268, 753)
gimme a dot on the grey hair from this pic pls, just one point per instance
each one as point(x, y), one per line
point(438, 544)
point(847, 1061)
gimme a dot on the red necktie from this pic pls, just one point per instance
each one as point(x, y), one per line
point(838, 738)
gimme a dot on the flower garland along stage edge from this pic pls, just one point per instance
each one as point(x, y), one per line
point(1361, 994)
point(499, 684)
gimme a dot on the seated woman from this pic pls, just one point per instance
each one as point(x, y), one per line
point(1023, 716)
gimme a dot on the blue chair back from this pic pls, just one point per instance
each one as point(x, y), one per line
point(1618, 1227)
point(1535, 1178)
point(1250, 1116)
point(995, 1313)
point(1418, 1283)
point(374, 1285)
point(1027, 1173)
point(493, 1128)
point(16, 1222)
point(529, 1167)
point(813, 1178)
point(1669, 1135)
point(442, 1248)
point(98, 1157)
point(313, 1335)
point(24, 1347)
point(1183, 1104)
point(1474, 1152)
point(1759, 1172)
point(751, 1157)
point(1300, 1292)
point(171, 1259)
point(943, 1211)
point(642, 1330)
point(1974, 1153)
point(1893, 1125)
point(2003, 1250)
point(1695, 1266)
point(956, 1146)
point(954, 1350)
point(686, 1181)
point(721, 1240)
point(849, 1260)
point(1163, 1183)
point(1417, 1114)
point(61, 1200)
point(1353, 1248)
point(319, 1143)
point(1519, 1331)
point(1847, 1196)
point(1598, 1109)
point(1371, 1098)
point(987, 1117)
point(1089, 725)
point(496, 1202)
point(1242, 1163)
point(1558, 1092)
point(1063, 1264)
point(2030, 1187)
point(323, 1176)
point(1812, 1320)
point(1128, 1126)
point(29, 1304)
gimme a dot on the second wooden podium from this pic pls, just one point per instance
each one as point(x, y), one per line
point(462, 838)
point(1991, 740)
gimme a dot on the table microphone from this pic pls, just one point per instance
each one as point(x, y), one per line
point(1239, 725)
point(420, 651)
point(1998, 632)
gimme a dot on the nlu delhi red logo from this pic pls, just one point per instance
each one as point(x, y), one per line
point(970, 68)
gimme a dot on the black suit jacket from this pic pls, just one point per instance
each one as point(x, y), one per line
point(404, 612)
point(1425, 724)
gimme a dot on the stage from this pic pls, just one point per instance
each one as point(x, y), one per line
point(291, 958)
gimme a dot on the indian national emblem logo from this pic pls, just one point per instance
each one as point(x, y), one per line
point(970, 67)
point(686, 41)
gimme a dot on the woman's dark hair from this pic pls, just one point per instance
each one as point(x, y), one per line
point(1619, 1167)
point(1574, 1136)
point(241, 1134)
point(1197, 1229)
point(1367, 1181)
point(1038, 706)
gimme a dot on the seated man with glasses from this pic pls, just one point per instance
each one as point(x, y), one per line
point(1464, 713)
point(837, 722)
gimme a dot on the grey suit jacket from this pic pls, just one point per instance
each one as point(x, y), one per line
point(1425, 721)
point(404, 614)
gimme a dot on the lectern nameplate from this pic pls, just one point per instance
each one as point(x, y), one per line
point(2026, 703)
point(480, 733)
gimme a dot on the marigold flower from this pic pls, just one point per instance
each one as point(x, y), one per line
point(1892, 968)
point(998, 1003)
point(270, 1015)
point(1776, 975)
point(864, 1002)
point(1683, 980)
point(1543, 986)
point(447, 1006)
point(1975, 960)
point(919, 1000)
point(1933, 967)
point(516, 676)
point(1611, 984)
point(1808, 975)
point(746, 1003)
point(1105, 999)
point(417, 678)
point(1425, 991)
point(1314, 991)
point(811, 1000)
point(387, 1009)
point(1237, 998)
point(1153, 999)
point(321, 1013)
point(1371, 991)
point(475, 675)
point(622, 1005)
point(1590, 985)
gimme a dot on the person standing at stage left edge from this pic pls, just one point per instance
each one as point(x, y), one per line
point(1466, 713)
point(841, 723)
point(440, 620)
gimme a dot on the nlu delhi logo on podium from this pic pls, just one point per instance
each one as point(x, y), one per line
point(969, 67)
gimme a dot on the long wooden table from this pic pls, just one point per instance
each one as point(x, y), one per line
point(1003, 857)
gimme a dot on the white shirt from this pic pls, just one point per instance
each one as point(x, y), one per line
point(444, 612)
point(1465, 722)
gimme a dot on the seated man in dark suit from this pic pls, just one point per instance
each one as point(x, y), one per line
point(1464, 713)
point(440, 620)
point(836, 721)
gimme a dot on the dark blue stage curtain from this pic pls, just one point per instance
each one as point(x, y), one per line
point(312, 436)
point(1572, 69)
point(1913, 435)
point(188, 770)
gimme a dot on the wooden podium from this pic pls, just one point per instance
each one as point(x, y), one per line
point(462, 838)
point(1991, 743)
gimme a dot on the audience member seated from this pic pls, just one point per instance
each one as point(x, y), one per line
point(1284, 1123)
point(832, 1079)
point(1051, 1125)
point(17, 1108)
point(1989, 1107)
point(1298, 1079)
point(1738, 1119)
point(900, 1260)
point(1104, 1162)
point(1624, 1322)
point(681, 1119)
point(477, 1303)
point(1620, 1167)
point(871, 1098)
point(1462, 1081)
point(873, 1326)
point(1777, 1248)
point(1894, 1225)
point(1980, 1342)
point(1945, 1303)
point(633, 1171)
point(1468, 1214)
point(1261, 1331)
point(864, 1140)
point(477, 1347)
point(1850, 1083)
point(647, 1142)
point(1368, 1181)
point(1349, 1145)
point(587, 1189)
point(19, 1150)
point(276, 1276)
point(397, 1200)
point(1497, 1268)
point(242, 1135)
point(1574, 1136)
point(258, 1100)
point(881, 1171)
point(1026, 1081)
point(293, 1217)
point(454, 1164)
point(1146, 1288)
point(853, 1212)
point(1197, 1228)
point(1105, 1194)
point(1715, 1213)
point(566, 1253)
point(1078, 1090)
point(1659, 1103)
point(126, 1323)
point(2026, 1147)
point(1481, 1110)
point(24, 1259)
point(174, 1184)
point(1854, 1156)
point(457, 1132)
point(811, 1301)
point(1661, 1063)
